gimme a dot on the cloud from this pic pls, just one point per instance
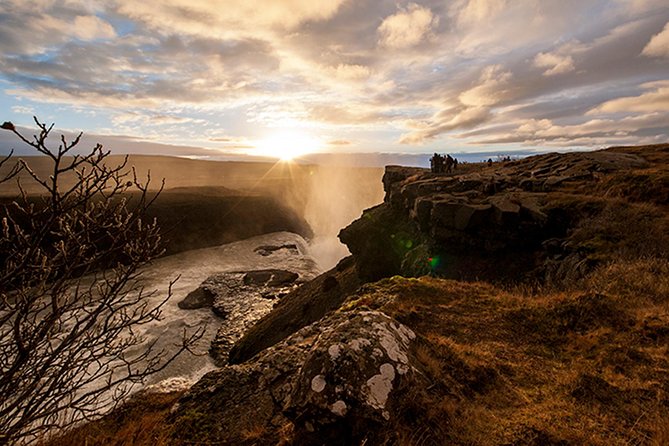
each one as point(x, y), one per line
point(444, 122)
point(211, 18)
point(537, 132)
point(352, 116)
point(555, 63)
point(655, 100)
point(476, 11)
point(151, 119)
point(351, 72)
point(371, 72)
point(491, 89)
point(33, 27)
point(408, 27)
point(23, 110)
point(659, 44)
point(339, 142)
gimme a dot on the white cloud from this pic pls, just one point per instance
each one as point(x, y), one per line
point(444, 122)
point(659, 44)
point(475, 11)
point(408, 27)
point(351, 72)
point(593, 132)
point(92, 27)
point(215, 18)
point(81, 27)
point(152, 119)
point(490, 90)
point(23, 110)
point(655, 100)
point(554, 63)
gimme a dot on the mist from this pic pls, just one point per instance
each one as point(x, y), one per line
point(337, 196)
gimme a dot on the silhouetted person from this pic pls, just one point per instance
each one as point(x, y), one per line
point(489, 162)
point(449, 163)
point(455, 164)
point(437, 163)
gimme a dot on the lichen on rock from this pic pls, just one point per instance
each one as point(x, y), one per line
point(328, 379)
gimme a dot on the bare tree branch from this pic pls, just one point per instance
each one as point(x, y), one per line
point(71, 297)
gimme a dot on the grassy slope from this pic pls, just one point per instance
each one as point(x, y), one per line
point(554, 368)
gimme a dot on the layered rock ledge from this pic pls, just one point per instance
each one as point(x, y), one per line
point(490, 222)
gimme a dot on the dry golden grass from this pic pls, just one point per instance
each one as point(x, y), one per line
point(643, 279)
point(552, 368)
point(140, 422)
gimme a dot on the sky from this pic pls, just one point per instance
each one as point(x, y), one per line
point(208, 79)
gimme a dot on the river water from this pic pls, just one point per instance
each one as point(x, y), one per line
point(192, 268)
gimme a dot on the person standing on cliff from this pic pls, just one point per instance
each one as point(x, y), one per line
point(449, 163)
point(437, 163)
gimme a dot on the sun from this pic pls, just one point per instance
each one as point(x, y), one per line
point(287, 145)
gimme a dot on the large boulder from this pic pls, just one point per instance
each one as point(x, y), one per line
point(335, 381)
point(201, 297)
point(348, 381)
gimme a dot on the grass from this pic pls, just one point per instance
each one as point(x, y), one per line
point(139, 422)
point(573, 367)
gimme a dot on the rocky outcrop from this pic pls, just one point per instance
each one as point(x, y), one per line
point(241, 299)
point(478, 223)
point(487, 222)
point(389, 240)
point(335, 381)
point(201, 297)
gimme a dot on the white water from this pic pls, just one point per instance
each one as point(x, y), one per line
point(194, 267)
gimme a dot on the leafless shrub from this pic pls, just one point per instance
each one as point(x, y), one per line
point(70, 296)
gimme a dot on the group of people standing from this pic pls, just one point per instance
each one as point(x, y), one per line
point(441, 163)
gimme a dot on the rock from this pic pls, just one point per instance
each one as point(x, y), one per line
point(470, 216)
point(444, 211)
point(201, 297)
point(301, 307)
point(241, 298)
point(485, 220)
point(336, 381)
point(270, 277)
point(506, 211)
point(266, 250)
point(379, 240)
point(349, 379)
point(552, 182)
point(422, 211)
point(329, 283)
point(393, 178)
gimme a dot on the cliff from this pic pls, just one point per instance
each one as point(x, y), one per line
point(511, 222)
